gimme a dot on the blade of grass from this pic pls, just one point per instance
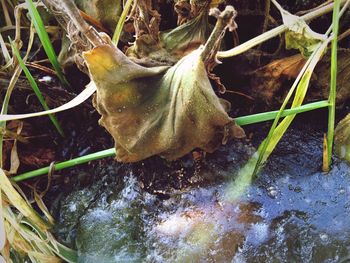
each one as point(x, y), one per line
point(246, 174)
point(297, 85)
point(17, 72)
point(36, 89)
point(45, 40)
point(271, 115)
point(18, 238)
point(121, 21)
point(272, 139)
point(8, 191)
point(5, 52)
point(325, 164)
point(62, 251)
point(66, 164)
point(38, 244)
point(5, 104)
point(2, 226)
point(18, 201)
point(80, 98)
point(244, 120)
point(5, 184)
point(333, 83)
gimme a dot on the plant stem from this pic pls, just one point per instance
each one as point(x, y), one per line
point(121, 21)
point(222, 21)
point(333, 82)
point(244, 120)
point(273, 33)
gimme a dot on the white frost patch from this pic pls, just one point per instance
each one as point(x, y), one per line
point(239, 257)
point(46, 79)
point(258, 233)
point(175, 225)
point(72, 207)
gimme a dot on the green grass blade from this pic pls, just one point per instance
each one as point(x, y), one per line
point(333, 82)
point(263, 147)
point(45, 40)
point(276, 132)
point(271, 115)
point(66, 164)
point(36, 89)
point(121, 21)
point(246, 174)
point(244, 120)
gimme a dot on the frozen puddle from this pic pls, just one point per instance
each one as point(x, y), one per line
point(291, 213)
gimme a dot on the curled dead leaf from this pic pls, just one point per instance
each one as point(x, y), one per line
point(269, 85)
point(267, 82)
point(153, 111)
point(159, 110)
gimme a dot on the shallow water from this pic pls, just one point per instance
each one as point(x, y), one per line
point(291, 213)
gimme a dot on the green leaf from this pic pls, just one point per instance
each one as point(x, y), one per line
point(45, 40)
point(36, 89)
point(303, 39)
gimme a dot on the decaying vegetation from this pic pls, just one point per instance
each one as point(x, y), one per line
point(169, 79)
